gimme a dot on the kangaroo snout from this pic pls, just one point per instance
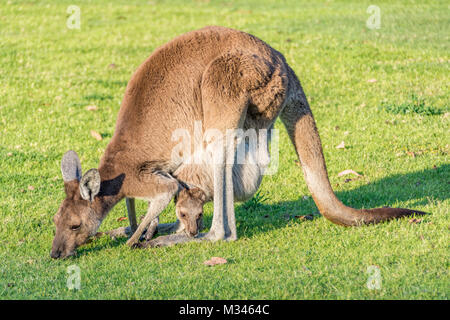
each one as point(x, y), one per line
point(62, 248)
point(59, 254)
point(193, 233)
point(55, 254)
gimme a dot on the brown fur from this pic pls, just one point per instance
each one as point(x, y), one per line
point(225, 78)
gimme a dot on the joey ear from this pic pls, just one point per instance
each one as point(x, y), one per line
point(70, 166)
point(198, 193)
point(202, 196)
point(90, 184)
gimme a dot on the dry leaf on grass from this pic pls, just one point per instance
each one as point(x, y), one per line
point(31, 188)
point(307, 270)
point(348, 171)
point(91, 108)
point(341, 145)
point(215, 260)
point(305, 217)
point(415, 221)
point(372, 80)
point(122, 219)
point(96, 135)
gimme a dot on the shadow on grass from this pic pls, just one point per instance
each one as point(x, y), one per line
point(416, 186)
point(105, 243)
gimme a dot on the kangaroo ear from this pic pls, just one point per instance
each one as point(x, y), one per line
point(90, 184)
point(70, 166)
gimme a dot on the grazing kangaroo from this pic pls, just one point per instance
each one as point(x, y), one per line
point(224, 78)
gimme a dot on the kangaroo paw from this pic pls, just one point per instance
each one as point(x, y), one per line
point(168, 240)
point(119, 232)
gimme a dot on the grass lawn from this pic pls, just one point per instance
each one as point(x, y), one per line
point(384, 92)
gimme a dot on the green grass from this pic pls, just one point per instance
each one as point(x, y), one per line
point(49, 74)
point(414, 105)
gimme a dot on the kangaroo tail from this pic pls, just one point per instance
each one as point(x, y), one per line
point(302, 130)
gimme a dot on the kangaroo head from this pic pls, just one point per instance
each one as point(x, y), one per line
point(189, 209)
point(76, 219)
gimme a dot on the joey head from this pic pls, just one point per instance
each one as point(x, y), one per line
point(189, 209)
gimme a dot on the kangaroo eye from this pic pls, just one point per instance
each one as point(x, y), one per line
point(75, 227)
point(183, 215)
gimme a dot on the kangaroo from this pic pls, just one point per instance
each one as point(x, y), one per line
point(225, 79)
